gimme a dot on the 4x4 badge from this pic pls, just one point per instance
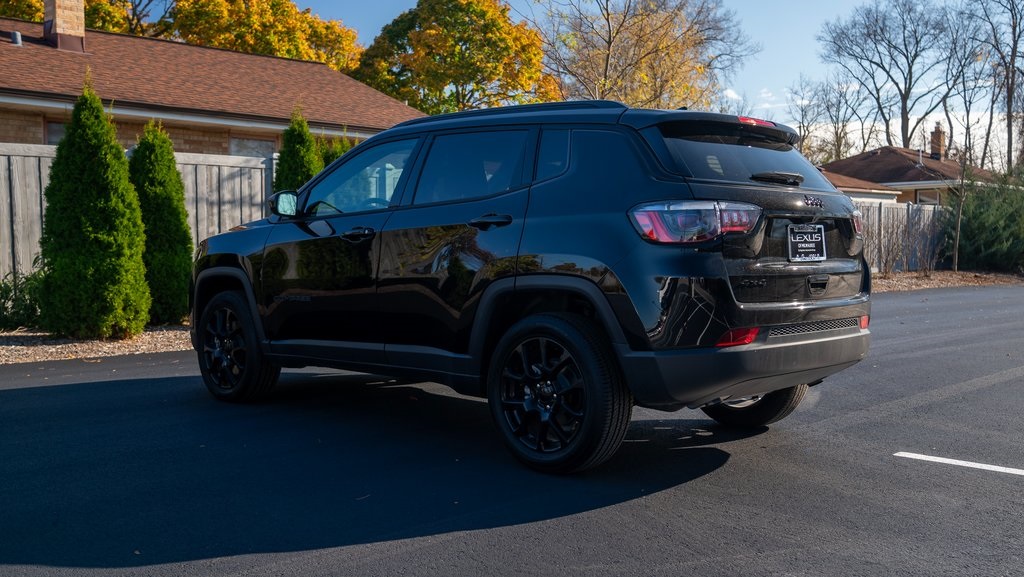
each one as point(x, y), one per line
point(813, 201)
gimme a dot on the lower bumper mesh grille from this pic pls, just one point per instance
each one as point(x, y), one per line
point(817, 327)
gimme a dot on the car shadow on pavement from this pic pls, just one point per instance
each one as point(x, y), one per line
point(139, 472)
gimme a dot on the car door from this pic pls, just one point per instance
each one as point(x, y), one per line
point(459, 232)
point(319, 268)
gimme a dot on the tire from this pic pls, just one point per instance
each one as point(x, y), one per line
point(757, 411)
point(230, 359)
point(556, 395)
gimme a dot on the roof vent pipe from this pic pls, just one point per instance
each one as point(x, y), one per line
point(16, 38)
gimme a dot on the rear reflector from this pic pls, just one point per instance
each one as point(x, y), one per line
point(864, 321)
point(736, 337)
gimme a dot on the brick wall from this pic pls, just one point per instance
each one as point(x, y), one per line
point(28, 127)
point(128, 132)
point(21, 127)
point(199, 140)
point(185, 139)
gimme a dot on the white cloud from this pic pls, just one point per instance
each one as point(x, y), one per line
point(732, 94)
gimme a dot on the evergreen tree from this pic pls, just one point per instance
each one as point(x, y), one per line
point(168, 256)
point(332, 148)
point(94, 282)
point(300, 158)
point(992, 227)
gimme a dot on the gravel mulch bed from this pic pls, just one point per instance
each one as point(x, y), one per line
point(29, 346)
point(940, 279)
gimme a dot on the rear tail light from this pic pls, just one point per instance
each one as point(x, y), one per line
point(865, 321)
point(693, 222)
point(858, 223)
point(736, 337)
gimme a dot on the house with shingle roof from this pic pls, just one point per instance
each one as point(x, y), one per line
point(210, 101)
point(920, 177)
point(861, 190)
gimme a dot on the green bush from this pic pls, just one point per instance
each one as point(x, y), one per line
point(300, 158)
point(94, 279)
point(991, 229)
point(168, 255)
point(331, 149)
point(19, 300)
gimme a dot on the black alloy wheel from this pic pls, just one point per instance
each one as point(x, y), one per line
point(542, 395)
point(555, 395)
point(230, 360)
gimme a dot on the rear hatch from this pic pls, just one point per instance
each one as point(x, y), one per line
point(807, 244)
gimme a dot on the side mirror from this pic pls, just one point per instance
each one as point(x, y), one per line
point(283, 203)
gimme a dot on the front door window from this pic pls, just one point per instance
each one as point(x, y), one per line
point(366, 182)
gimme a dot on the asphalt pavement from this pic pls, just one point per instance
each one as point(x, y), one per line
point(126, 466)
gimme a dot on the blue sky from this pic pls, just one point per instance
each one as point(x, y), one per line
point(786, 30)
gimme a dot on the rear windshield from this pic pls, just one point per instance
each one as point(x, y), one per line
point(734, 153)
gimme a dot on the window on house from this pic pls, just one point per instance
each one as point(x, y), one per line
point(927, 197)
point(55, 132)
point(260, 147)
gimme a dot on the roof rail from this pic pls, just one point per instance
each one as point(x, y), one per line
point(569, 105)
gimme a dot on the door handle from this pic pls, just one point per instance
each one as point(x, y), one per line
point(486, 221)
point(358, 234)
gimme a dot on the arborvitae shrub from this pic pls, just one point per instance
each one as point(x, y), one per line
point(94, 281)
point(168, 254)
point(300, 158)
point(992, 228)
point(332, 148)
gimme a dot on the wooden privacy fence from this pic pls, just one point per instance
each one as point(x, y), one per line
point(24, 173)
point(223, 191)
point(902, 237)
point(220, 192)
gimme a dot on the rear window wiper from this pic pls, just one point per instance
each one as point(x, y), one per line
point(787, 178)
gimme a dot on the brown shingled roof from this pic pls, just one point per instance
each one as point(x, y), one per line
point(843, 182)
point(890, 164)
point(172, 76)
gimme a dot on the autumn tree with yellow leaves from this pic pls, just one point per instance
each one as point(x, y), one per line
point(451, 55)
point(644, 53)
point(272, 27)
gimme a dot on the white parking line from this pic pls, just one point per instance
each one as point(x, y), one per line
point(995, 468)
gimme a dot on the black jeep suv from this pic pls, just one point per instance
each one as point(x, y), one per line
point(566, 261)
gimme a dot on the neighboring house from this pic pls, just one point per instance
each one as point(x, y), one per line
point(919, 177)
point(861, 190)
point(210, 101)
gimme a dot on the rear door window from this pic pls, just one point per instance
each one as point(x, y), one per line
point(472, 165)
point(735, 153)
point(553, 155)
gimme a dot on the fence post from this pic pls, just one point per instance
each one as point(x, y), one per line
point(878, 238)
point(270, 170)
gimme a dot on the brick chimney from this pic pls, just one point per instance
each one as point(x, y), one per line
point(938, 142)
point(64, 24)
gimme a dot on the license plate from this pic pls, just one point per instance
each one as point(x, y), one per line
point(806, 242)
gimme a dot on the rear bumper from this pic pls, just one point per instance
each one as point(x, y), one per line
point(672, 379)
